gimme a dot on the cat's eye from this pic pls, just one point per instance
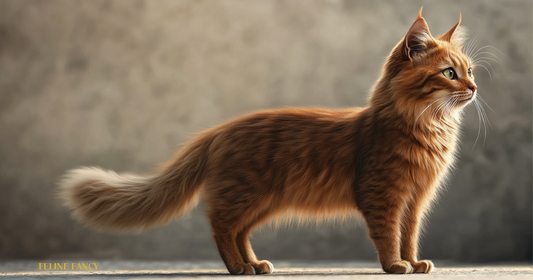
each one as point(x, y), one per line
point(469, 72)
point(449, 73)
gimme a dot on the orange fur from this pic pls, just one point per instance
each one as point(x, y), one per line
point(385, 161)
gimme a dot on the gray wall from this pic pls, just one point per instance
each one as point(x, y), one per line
point(119, 84)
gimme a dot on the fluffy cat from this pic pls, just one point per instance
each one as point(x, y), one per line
point(385, 161)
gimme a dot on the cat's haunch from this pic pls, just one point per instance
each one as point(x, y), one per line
point(385, 161)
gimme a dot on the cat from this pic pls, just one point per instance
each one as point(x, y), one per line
point(386, 161)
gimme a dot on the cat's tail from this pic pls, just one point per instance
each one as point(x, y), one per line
point(123, 202)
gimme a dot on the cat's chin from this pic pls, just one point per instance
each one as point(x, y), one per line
point(466, 101)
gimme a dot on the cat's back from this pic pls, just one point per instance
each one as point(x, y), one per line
point(291, 130)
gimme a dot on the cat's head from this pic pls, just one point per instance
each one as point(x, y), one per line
point(426, 77)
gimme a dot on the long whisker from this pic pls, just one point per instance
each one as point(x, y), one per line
point(490, 76)
point(483, 113)
point(484, 118)
point(436, 110)
point(484, 47)
point(455, 101)
point(465, 47)
point(470, 45)
point(496, 58)
point(478, 50)
point(482, 100)
point(482, 58)
point(432, 102)
point(433, 112)
point(441, 106)
point(484, 61)
point(474, 44)
point(479, 125)
point(449, 107)
point(444, 109)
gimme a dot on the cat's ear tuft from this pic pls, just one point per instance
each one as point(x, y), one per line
point(456, 35)
point(418, 39)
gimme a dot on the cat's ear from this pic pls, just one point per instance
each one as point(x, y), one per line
point(418, 39)
point(456, 35)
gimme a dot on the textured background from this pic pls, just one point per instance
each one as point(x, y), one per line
point(120, 84)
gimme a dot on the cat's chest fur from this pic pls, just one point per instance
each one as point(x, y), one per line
point(429, 156)
point(409, 162)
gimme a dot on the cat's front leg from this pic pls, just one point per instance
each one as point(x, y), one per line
point(383, 219)
point(411, 231)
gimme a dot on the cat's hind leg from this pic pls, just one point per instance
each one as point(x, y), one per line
point(245, 248)
point(235, 209)
point(225, 235)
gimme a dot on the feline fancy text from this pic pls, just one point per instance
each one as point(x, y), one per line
point(68, 266)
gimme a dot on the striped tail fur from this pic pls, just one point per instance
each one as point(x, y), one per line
point(127, 202)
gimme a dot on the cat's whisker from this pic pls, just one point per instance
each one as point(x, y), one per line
point(443, 110)
point(468, 47)
point(483, 63)
point(484, 113)
point(479, 52)
point(490, 76)
point(484, 119)
point(434, 112)
point(439, 108)
point(448, 107)
point(488, 63)
point(495, 57)
point(488, 46)
point(482, 100)
point(474, 45)
point(479, 123)
point(454, 103)
point(484, 60)
point(431, 103)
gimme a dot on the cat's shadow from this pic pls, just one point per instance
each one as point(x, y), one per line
point(285, 272)
point(121, 274)
point(278, 272)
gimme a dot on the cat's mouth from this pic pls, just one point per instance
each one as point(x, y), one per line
point(464, 98)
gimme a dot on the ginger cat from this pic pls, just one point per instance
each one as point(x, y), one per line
point(385, 161)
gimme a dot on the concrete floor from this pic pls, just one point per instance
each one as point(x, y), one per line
point(284, 270)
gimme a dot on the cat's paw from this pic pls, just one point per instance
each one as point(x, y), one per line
point(245, 268)
point(424, 266)
point(263, 267)
point(401, 267)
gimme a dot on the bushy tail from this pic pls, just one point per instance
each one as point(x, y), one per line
point(122, 202)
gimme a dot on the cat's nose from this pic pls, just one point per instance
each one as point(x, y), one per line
point(472, 88)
